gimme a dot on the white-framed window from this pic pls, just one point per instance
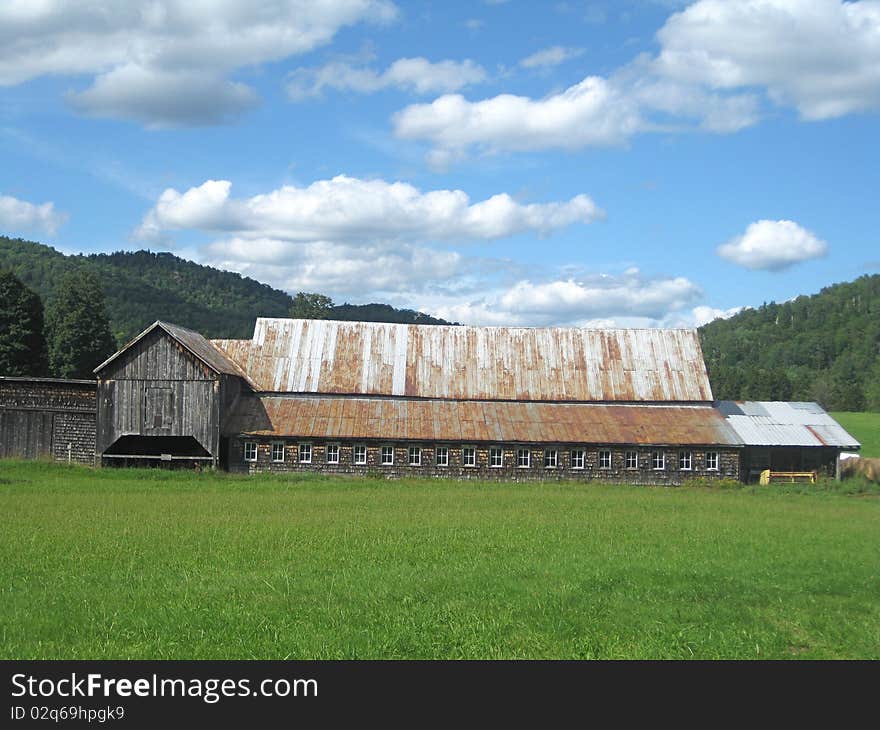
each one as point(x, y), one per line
point(305, 453)
point(332, 453)
point(685, 460)
point(711, 461)
point(442, 456)
point(551, 458)
point(277, 451)
point(415, 455)
point(250, 450)
point(360, 454)
point(523, 458)
point(387, 455)
point(604, 459)
point(658, 460)
point(468, 456)
point(578, 458)
point(496, 457)
point(632, 459)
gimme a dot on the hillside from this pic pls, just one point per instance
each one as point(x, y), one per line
point(141, 287)
point(824, 347)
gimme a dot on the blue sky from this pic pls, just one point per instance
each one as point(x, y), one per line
point(641, 163)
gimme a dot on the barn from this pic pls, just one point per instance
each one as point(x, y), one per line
point(408, 400)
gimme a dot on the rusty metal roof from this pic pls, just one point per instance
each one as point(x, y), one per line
point(330, 417)
point(478, 363)
point(192, 341)
point(777, 423)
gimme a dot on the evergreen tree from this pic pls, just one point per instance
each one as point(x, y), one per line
point(79, 332)
point(22, 341)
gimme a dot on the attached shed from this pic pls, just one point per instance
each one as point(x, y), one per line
point(163, 397)
point(786, 437)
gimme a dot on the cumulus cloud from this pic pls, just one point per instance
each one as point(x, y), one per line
point(720, 62)
point(592, 112)
point(418, 75)
point(20, 216)
point(347, 209)
point(629, 299)
point(773, 246)
point(820, 56)
point(166, 39)
point(552, 56)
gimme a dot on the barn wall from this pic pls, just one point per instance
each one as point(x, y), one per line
point(157, 388)
point(728, 462)
point(43, 418)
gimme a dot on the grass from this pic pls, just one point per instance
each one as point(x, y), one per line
point(158, 564)
point(866, 429)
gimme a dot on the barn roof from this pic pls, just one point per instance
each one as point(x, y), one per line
point(329, 417)
point(479, 363)
point(776, 423)
point(192, 341)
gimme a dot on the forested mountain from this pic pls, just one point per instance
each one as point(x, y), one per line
point(141, 287)
point(824, 348)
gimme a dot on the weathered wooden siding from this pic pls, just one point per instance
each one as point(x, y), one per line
point(157, 356)
point(41, 417)
point(157, 388)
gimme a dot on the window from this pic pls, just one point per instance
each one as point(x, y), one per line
point(468, 456)
point(496, 457)
point(523, 458)
point(360, 454)
point(250, 451)
point(711, 461)
point(632, 460)
point(442, 456)
point(277, 451)
point(551, 458)
point(332, 453)
point(685, 460)
point(387, 455)
point(578, 457)
point(415, 456)
point(604, 459)
point(305, 453)
point(658, 460)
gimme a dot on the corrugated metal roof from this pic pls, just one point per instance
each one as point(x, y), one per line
point(776, 423)
point(493, 363)
point(194, 342)
point(328, 417)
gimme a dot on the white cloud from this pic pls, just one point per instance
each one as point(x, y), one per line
point(178, 37)
point(19, 216)
point(552, 56)
point(718, 60)
point(592, 112)
point(703, 315)
point(630, 299)
point(346, 209)
point(412, 74)
point(773, 246)
point(820, 56)
point(164, 98)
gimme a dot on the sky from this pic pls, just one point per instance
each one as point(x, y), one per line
point(635, 163)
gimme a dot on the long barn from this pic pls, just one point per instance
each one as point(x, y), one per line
point(513, 403)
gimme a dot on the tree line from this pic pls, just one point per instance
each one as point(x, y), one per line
point(824, 348)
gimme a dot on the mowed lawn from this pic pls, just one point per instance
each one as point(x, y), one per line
point(158, 564)
point(865, 427)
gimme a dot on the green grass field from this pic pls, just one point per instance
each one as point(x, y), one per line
point(865, 427)
point(157, 564)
